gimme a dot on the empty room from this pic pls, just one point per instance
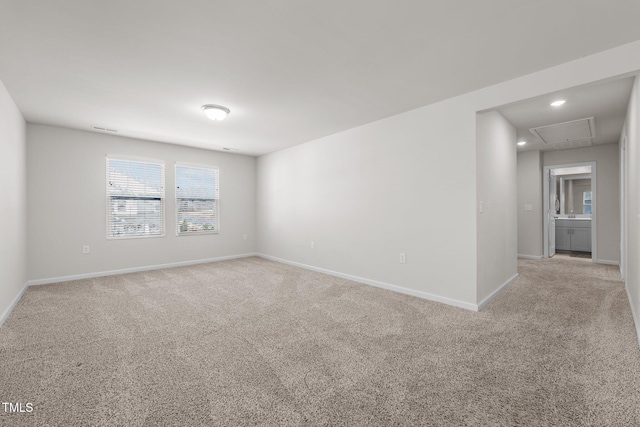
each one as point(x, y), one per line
point(361, 213)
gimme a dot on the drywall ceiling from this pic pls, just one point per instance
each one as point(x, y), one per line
point(607, 102)
point(290, 71)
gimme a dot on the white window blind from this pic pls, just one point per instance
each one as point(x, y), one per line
point(135, 198)
point(197, 194)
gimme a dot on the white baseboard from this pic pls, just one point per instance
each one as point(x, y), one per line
point(530, 256)
point(412, 292)
point(606, 261)
point(133, 269)
point(493, 294)
point(8, 310)
point(636, 319)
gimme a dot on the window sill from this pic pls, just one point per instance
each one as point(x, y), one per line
point(151, 236)
point(197, 233)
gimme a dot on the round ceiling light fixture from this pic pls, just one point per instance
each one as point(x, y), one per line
point(215, 112)
point(558, 103)
point(522, 142)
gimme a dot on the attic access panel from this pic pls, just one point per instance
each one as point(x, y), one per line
point(582, 130)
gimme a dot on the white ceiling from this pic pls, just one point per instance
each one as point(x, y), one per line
point(607, 102)
point(290, 71)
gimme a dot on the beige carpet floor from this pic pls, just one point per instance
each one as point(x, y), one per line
point(254, 342)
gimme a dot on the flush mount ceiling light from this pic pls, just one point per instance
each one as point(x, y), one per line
point(558, 103)
point(215, 112)
point(522, 142)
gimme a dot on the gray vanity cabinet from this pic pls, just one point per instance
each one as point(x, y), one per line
point(581, 239)
point(573, 235)
point(563, 238)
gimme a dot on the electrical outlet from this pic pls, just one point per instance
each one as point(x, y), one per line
point(528, 207)
point(313, 244)
point(86, 249)
point(481, 206)
point(244, 236)
point(403, 258)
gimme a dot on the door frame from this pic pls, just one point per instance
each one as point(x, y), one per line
point(594, 209)
point(623, 208)
point(552, 222)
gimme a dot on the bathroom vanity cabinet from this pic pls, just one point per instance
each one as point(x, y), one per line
point(573, 234)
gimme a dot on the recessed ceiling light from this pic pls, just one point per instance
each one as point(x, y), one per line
point(522, 142)
point(558, 103)
point(215, 112)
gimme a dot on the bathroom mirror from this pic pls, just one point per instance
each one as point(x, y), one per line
point(574, 192)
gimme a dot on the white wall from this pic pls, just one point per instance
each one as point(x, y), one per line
point(67, 204)
point(530, 193)
point(607, 158)
point(397, 185)
point(13, 225)
point(369, 193)
point(497, 191)
point(632, 131)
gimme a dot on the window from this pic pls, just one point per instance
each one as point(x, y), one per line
point(586, 201)
point(197, 191)
point(135, 198)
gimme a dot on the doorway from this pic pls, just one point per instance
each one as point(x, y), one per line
point(570, 210)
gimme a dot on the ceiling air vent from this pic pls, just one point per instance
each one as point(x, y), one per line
point(568, 132)
point(572, 144)
point(104, 129)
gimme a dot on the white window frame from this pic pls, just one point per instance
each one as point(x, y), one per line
point(108, 198)
point(216, 198)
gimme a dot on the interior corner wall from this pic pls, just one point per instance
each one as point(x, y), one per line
point(13, 225)
point(66, 172)
point(530, 224)
point(496, 200)
point(632, 129)
point(607, 158)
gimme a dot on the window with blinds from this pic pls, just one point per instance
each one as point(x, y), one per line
point(135, 198)
point(197, 194)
